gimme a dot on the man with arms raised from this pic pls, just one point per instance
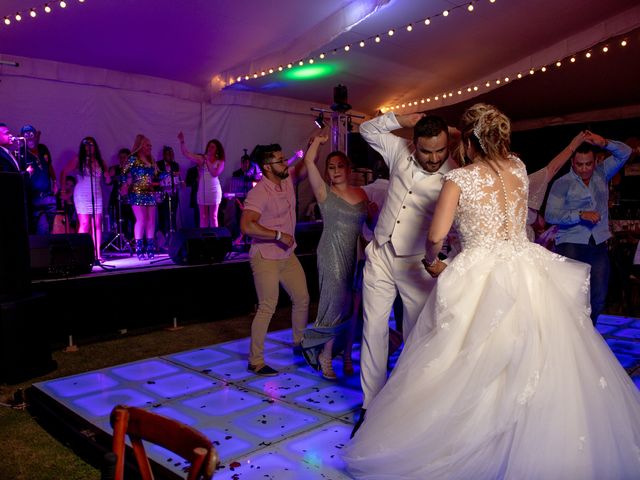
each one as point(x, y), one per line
point(394, 258)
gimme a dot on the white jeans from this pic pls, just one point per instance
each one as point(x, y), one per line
point(386, 274)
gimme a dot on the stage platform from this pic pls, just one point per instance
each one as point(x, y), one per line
point(139, 295)
point(292, 426)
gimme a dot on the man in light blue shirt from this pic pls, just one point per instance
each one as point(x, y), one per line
point(579, 204)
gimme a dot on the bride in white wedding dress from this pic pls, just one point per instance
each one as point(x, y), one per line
point(503, 376)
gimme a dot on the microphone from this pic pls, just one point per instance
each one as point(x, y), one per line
point(13, 139)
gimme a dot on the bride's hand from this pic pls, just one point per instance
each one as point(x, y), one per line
point(436, 269)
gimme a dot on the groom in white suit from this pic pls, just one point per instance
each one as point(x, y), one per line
point(394, 258)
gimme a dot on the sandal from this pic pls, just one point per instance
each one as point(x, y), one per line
point(326, 366)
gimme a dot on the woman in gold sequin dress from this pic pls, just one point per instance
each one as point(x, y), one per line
point(140, 172)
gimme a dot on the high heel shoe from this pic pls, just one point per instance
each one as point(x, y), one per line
point(151, 249)
point(326, 366)
point(140, 250)
point(347, 365)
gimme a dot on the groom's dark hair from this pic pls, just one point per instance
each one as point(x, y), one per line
point(430, 126)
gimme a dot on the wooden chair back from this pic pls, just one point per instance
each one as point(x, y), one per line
point(180, 439)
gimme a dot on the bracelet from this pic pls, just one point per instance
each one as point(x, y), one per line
point(430, 264)
point(278, 235)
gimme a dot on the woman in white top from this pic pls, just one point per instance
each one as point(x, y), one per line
point(210, 166)
point(88, 191)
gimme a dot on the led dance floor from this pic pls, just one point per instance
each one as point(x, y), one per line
point(292, 426)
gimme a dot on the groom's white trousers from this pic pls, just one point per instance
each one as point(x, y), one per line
point(386, 274)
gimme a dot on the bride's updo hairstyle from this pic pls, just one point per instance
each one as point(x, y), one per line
point(488, 129)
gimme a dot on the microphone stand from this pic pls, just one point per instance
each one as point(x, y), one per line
point(172, 231)
point(119, 243)
point(96, 248)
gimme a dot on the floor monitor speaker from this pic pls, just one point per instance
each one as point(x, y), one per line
point(200, 246)
point(61, 255)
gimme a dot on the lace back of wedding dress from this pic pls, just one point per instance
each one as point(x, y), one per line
point(493, 204)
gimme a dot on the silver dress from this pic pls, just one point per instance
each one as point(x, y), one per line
point(342, 223)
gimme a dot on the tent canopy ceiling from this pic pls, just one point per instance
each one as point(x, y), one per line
point(210, 43)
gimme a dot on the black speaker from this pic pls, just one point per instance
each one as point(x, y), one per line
point(200, 246)
point(61, 255)
point(14, 243)
point(24, 346)
point(361, 154)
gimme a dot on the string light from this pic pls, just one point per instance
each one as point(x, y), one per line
point(470, 6)
point(377, 38)
point(573, 58)
point(33, 11)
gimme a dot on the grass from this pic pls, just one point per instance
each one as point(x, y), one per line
point(32, 453)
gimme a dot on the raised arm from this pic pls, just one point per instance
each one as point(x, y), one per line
point(318, 184)
point(198, 158)
point(298, 170)
point(441, 224)
point(620, 153)
point(377, 133)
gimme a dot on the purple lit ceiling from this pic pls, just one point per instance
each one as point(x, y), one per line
point(195, 41)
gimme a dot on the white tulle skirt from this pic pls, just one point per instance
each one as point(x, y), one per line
point(504, 377)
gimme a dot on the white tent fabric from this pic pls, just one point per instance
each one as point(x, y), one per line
point(69, 102)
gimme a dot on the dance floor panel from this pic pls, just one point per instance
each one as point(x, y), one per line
point(294, 422)
point(292, 426)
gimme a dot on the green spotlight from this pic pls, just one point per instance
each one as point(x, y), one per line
point(309, 72)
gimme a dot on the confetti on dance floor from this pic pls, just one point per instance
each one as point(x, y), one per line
point(291, 426)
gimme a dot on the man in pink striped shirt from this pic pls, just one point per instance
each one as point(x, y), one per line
point(269, 218)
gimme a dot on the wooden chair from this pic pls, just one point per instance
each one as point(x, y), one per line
point(181, 439)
